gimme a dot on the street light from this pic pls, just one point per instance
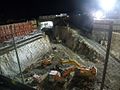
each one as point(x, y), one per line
point(107, 6)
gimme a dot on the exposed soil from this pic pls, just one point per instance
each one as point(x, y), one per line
point(86, 52)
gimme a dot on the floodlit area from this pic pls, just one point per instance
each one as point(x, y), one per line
point(46, 24)
point(59, 55)
point(74, 50)
point(107, 5)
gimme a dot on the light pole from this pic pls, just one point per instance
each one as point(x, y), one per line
point(107, 54)
point(107, 6)
point(18, 60)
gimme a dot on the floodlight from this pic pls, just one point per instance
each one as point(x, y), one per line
point(98, 15)
point(107, 5)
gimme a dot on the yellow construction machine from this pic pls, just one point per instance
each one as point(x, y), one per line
point(46, 62)
point(58, 76)
point(72, 62)
point(83, 71)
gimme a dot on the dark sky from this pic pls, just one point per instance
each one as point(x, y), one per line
point(10, 9)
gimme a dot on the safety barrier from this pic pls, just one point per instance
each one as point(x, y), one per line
point(17, 29)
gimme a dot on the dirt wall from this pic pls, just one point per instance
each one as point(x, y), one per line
point(77, 43)
point(115, 45)
point(92, 53)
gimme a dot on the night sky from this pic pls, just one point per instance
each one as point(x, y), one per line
point(18, 9)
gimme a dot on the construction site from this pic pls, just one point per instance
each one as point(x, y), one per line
point(52, 53)
point(60, 45)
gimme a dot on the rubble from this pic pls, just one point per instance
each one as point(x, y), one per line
point(36, 71)
point(92, 53)
point(71, 45)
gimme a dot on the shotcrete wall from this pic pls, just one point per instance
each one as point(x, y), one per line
point(77, 43)
point(28, 54)
point(115, 45)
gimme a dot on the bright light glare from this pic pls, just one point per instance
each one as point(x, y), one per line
point(99, 15)
point(46, 24)
point(107, 5)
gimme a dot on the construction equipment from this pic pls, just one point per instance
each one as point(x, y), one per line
point(84, 71)
point(88, 72)
point(81, 70)
point(46, 62)
point(59, 76)
point(73, 62)
point(55, 75)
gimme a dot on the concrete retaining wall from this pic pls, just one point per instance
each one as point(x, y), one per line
point(28, 54)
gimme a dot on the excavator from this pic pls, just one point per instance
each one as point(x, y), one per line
point(82, 71)
point(72, 62)
point(69, 75)
point(46, 62)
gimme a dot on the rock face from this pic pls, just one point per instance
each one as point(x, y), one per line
point(102, 38)
point(28, 54)
point(77, 43)
point(93, 54)
point(87, 52)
